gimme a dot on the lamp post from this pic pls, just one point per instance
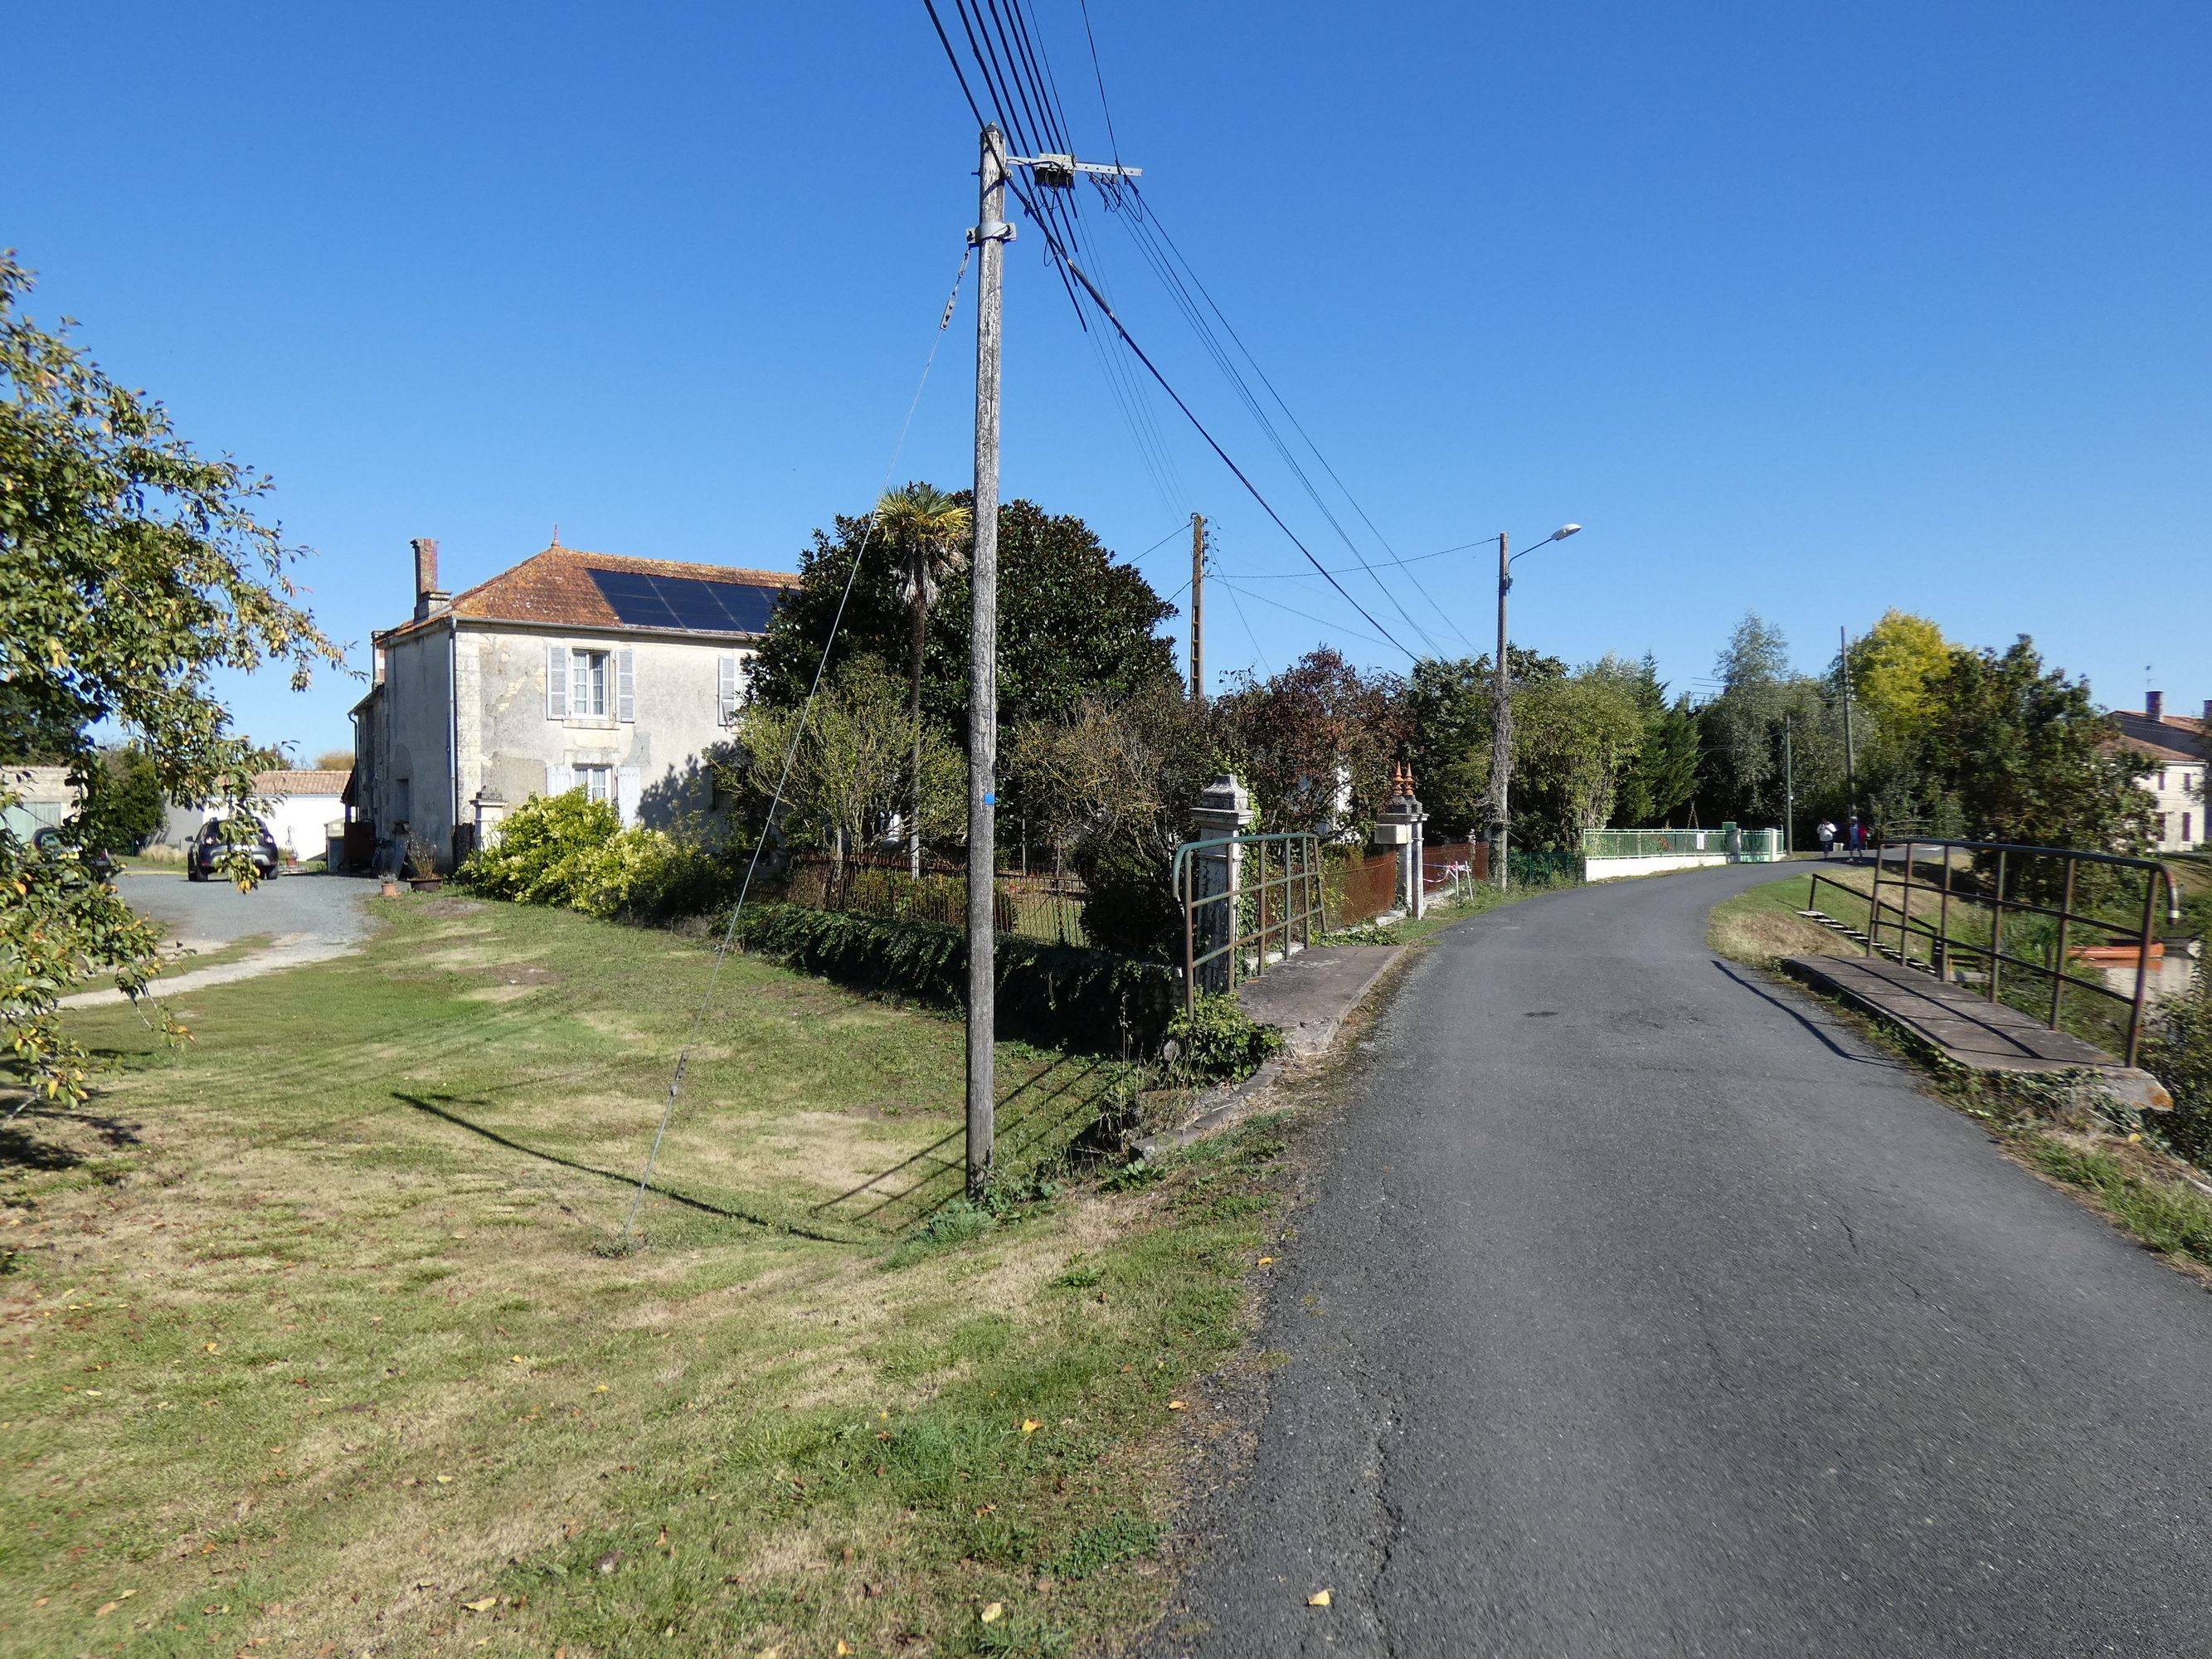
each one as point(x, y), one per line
point(1501, 721)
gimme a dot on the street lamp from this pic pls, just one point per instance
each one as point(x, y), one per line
point(1501, 719)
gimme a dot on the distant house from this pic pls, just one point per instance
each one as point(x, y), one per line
point(306, 807)
point(2177, 745)
point(570, 671)
point(43, 796)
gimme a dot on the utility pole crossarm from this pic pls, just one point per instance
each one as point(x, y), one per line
point(1058, 172)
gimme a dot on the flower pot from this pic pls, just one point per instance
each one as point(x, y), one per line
point(390, 889)
point(426, 884)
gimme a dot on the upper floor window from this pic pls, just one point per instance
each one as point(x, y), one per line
point(587, 683)
point(590, 683)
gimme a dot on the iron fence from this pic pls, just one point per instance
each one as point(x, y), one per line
point(1263, 909)
point(1047, 909)
point(1358, 888)
point(1747, 846)
point(2000, 881)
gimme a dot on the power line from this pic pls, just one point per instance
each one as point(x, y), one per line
point(1047, 225)
point(1104, 108)
point(1248, 633)
point(1294, 612)
point(790, 755)
point(1160, 543)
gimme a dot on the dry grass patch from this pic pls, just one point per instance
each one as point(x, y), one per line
point(310, 1336)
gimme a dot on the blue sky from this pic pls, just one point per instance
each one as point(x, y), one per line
point(1808, 310)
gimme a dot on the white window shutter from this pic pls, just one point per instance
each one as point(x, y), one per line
point(626, 685)
point(559, 779)
point(556, 686)
point(725, 689)
point(626, 791)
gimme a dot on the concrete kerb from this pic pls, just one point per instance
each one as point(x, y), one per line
point(1308, 998)
point(1964, 1031)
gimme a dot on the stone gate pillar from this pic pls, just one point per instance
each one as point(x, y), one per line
point(1225, 808)
point(1399, 825)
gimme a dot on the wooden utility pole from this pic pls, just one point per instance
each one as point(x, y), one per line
point(1197, 608)
point(1501, 728)
point(991, 234)
point(989, 237)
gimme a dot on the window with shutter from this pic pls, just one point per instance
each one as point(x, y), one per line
point(626, 794)
point(556, 685)
point(626, 685)
point(726, 690)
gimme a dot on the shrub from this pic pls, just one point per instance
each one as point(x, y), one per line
point(2178, 1051)
point(1219, 1041)
point(1063, 995)
point(573, 853)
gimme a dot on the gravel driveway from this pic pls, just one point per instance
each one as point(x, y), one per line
point(306, 918)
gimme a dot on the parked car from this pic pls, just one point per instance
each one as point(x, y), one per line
point(48, 843)
point(203, 859)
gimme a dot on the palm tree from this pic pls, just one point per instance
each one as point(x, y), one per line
point(930, 530)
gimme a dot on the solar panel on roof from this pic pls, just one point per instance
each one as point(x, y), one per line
point(687, 603)
point(634, 599)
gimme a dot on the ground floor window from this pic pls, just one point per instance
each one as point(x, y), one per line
point(597, 782)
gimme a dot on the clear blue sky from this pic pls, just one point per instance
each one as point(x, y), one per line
point(1806, 309)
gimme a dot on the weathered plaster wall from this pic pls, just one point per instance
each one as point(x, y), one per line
point(418, 739)
point(512, 743)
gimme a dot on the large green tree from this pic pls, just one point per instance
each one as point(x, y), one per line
point(1074, 622)
point(929, 530)
point(132, 568)
point(1448, 703)
point(1663, 777)
point(2026, 756)
point(1318, 743)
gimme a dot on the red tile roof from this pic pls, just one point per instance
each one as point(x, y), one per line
point(300, 782)
point(556, 586)
point(2174, 737)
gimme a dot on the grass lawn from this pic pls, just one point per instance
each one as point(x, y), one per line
point(315, 1342)
point(1761, 923)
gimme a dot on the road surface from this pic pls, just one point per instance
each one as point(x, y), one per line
point(1641, 1310)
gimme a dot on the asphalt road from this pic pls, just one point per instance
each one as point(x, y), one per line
point(1641, 1309)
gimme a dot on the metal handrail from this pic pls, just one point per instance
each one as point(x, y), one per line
point(1944, 946)
point(1297, 880)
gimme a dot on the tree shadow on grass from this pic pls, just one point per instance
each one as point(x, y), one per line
point(86, 1135)
point(430, 1106)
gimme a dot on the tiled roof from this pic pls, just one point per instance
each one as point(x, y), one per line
point(300, 783)
point(2175, 737)
point(556, 586)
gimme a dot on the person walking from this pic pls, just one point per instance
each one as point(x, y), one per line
point(1858, 839)
point(1827, 831)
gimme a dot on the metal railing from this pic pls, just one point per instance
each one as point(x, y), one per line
point(2001, 879)
point(1282, 905)
point(1754, 846)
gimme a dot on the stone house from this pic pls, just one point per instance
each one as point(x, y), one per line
point(572, 670)
point(2177, 745)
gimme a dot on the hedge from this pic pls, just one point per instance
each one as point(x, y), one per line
point(1063, 995)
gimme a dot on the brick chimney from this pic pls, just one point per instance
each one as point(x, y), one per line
point(429, 598)
point(2153, 701)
